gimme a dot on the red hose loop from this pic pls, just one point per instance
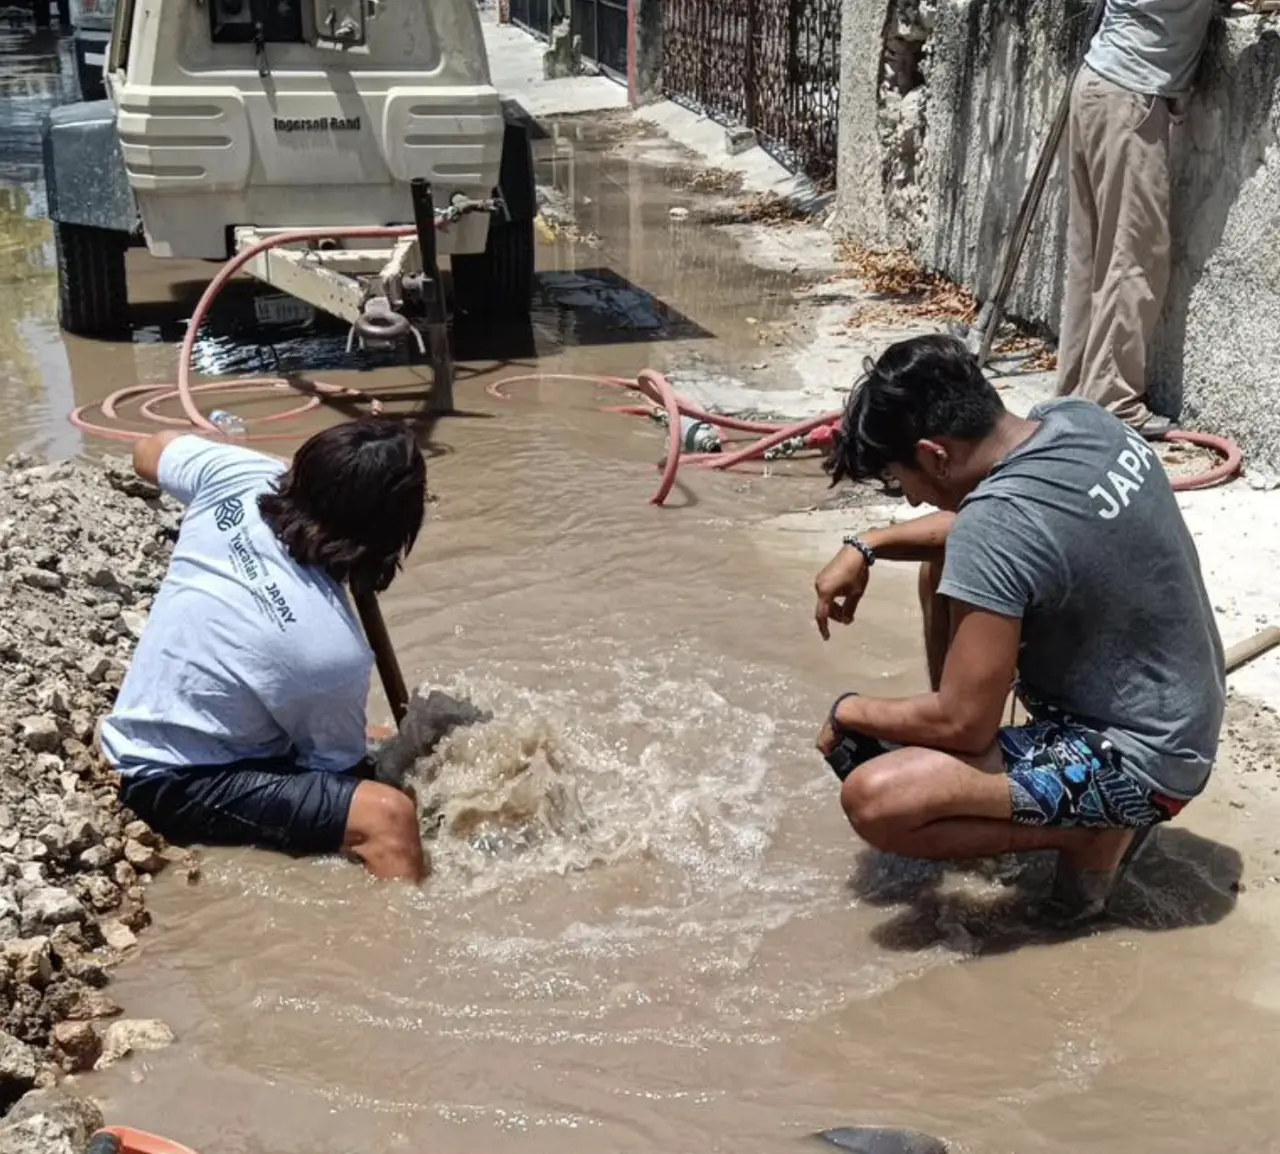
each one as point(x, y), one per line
point(185, 391)
point(658, 383)
point(1228, 467)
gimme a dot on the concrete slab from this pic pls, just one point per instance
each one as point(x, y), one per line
point(515, 64)
point(710, 140)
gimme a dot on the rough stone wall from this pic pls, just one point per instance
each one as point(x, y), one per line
point(860, 190)
point(1217, 355)
point(964, 94)
point(996, 76)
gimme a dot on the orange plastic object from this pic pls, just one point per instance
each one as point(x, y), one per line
point(140, 1142)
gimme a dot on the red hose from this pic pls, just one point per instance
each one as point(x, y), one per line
point(1228, 467)
point(154, 395)
point(650, 383)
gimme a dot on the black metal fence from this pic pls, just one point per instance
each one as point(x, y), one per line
point(532, 15)
point(600, 25)
point(773, 65)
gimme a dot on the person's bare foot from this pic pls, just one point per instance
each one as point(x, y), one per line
point(1086, 878)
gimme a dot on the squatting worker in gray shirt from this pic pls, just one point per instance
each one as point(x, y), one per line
point(1136, 75)
point(1060, 557)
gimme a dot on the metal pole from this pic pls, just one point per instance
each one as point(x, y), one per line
point(437, 321)
point(375, 629)
point(983, 333)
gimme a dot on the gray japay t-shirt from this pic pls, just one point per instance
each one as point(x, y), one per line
point(1078, 533)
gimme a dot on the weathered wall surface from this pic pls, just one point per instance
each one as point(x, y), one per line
point(965, 91)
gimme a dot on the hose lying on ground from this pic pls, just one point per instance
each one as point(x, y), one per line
point(813, 433)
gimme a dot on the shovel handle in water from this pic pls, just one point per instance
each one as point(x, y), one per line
point(375, 629)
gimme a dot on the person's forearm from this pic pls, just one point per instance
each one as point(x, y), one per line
point(921, 539)
point(921, 720)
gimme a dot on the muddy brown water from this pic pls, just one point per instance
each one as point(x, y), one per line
point(649, 929)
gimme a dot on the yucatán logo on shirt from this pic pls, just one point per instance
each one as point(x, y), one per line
point(228, 514)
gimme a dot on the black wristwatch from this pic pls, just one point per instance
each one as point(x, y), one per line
point(868, 553)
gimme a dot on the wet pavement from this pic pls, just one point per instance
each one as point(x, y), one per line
point(649, 929)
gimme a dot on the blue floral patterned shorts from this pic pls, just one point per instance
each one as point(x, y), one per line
point(1061, 773)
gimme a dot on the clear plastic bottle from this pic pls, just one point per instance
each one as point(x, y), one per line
point(228, 424)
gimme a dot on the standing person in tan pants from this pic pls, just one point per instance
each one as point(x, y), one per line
point(1140, 65)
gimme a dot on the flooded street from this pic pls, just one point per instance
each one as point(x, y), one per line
point(650, 929)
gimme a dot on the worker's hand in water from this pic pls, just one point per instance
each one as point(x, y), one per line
point(840, 587)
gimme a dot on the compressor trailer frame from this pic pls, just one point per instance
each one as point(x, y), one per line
point(388, 289)
point(373, 287)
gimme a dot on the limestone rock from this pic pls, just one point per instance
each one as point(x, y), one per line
point(18, 1068)
point(42, 579)
point(77, 1044)
point(51, 906)
point(49, 1122)
point(130, 1035)
point(143, 858)
point(118, 936)
point(97, 857)
point(29, 961)
point(40, 733)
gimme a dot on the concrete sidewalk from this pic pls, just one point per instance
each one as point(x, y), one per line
point(515, 63)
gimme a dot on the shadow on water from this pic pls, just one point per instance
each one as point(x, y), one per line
point(579, 309)
point(1180, 880)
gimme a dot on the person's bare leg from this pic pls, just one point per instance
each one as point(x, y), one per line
point(938, 621)
point(382, 831)
point(923, 803)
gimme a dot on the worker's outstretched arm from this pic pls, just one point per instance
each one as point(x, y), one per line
point(147, 453)
point(842, 582)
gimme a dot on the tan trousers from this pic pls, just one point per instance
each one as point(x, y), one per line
point(1117, 243)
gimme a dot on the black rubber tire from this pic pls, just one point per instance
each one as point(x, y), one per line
point(498, 282)
point(93, 293)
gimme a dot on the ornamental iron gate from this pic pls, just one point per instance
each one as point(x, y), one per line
point(773, 65)
point(532, 15)
point(601, 25)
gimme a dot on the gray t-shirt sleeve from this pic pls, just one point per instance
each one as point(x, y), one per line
point(999, 560)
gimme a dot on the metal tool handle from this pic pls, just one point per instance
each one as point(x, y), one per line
point(375, 629)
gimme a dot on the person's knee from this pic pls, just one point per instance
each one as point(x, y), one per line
point(383, 815)
point(871, 802)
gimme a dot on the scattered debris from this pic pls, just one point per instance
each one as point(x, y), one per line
point(760, 208)
point(915, 293)
point(83, 549)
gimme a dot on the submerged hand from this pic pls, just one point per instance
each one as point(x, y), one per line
point(840, 587)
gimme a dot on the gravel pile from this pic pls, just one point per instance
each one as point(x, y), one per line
point(82, 552)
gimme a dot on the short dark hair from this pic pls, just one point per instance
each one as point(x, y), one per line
point(925, 387)
point(352, 502)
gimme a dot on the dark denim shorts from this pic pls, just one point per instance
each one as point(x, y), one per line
point(271, 804)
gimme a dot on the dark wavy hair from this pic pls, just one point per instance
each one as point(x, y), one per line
point(352, 502)
point(919, 389)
